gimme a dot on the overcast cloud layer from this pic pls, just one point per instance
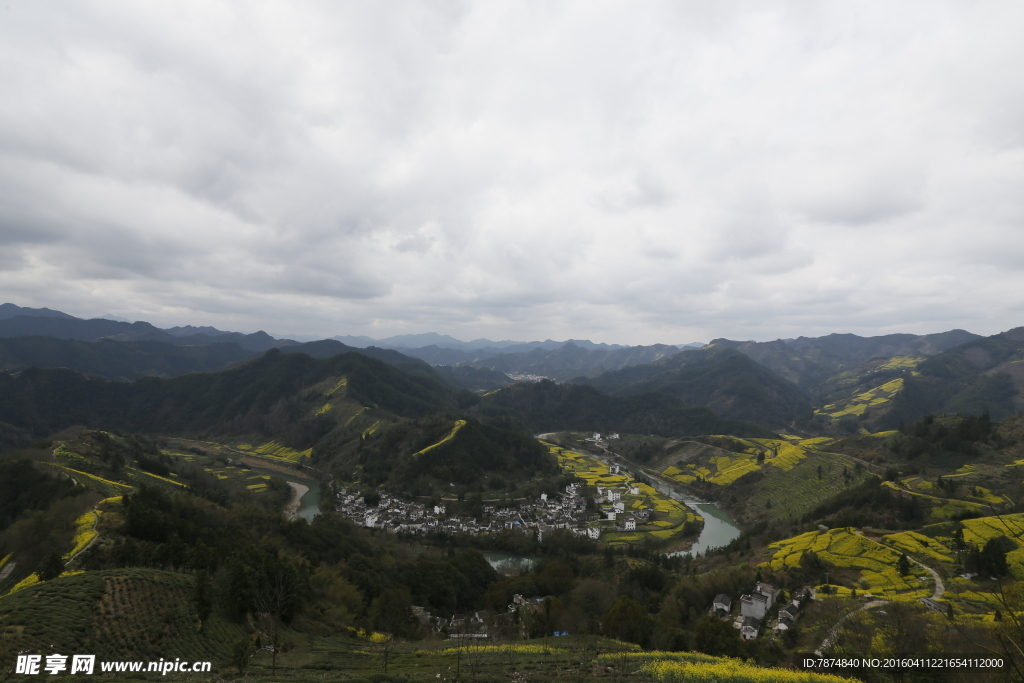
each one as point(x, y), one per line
point(627, 172)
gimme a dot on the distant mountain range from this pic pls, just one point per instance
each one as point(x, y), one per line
point(836, 383)
point(443, 341)
point(571, 360)
point(11, 311)
point(809, 361)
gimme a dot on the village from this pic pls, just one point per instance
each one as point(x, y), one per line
point(606, 511)
point(570, 511)
point(756, 609)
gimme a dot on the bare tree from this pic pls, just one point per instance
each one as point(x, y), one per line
point(276, 595)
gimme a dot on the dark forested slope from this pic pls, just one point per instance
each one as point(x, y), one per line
point(269, 395)
point(118, 360)
point(547, 406)
point(719, 378)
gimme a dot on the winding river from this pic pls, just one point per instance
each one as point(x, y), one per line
point(719, 528)
point(309, 504)
point(309, 501)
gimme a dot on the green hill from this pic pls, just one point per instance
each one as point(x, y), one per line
point(547, 406)
point(982, 375)
point(720, 378)
point(277, 395)
point(439, 451)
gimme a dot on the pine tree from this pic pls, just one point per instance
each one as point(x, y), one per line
point(51, 567)
point(903, 565)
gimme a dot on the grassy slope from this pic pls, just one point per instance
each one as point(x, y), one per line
point(990, 479)
point(788, 478)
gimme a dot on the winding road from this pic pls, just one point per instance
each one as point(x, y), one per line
point(830, 637)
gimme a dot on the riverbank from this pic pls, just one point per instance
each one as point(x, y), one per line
point(292, 509)
point(718, 528)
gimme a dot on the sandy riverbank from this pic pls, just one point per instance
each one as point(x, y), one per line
point(293, 507)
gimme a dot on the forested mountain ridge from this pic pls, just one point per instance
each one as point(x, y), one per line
point(345, 411)
point(271, 395)
point(99, 328)
point(571, 360)
point(118, 360)
point(129, 360)
point(981, 375)
point(547, 406)
point(720, 378)
point(9, 310)
point(809, 361)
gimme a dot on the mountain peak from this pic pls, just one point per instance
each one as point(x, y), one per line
point(13, 310)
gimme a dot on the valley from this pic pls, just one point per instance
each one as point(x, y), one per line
point(712, 511)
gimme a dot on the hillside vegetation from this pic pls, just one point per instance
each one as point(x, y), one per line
point(546, 406)
point(724, 380)
point(810, 361)
point(118, 360)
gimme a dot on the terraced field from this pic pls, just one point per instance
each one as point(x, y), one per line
point(116, 614)
point(274, 450)
point(148, 614)
point(794, 476)
point(858, 404)
point(978, 597)
point(940, 508)
point(935, 542)
point(872, 562)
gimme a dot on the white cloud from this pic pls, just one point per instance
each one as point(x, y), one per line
point(631, 173)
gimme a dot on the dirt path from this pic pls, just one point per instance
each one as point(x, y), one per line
point(940, 588)
point(870, 465)
point(6, 571)
point(830, 637)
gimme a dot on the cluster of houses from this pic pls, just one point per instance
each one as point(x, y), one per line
point(755, 607)
point(541, 516)
point(484, 623)
point(598, 438)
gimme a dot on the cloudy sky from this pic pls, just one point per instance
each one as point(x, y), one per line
point(628, 172)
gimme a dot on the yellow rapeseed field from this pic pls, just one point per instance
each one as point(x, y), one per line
point(459, 424)
point(272, 449)
point(729, 671)
point(84, 533)
point(843, 548)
